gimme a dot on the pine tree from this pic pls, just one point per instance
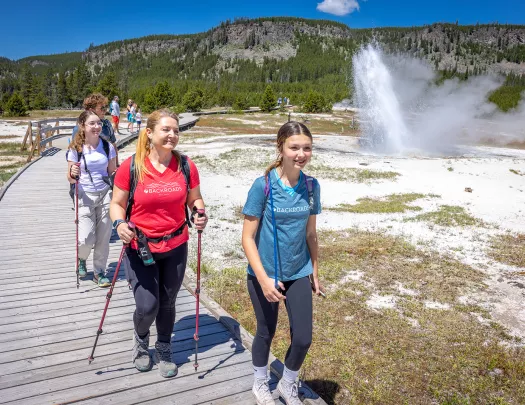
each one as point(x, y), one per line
point(62, 91)
point(108, 85)
point(193, 100)
point(16, 106)
point(268, 100)
point(27, 85)
point(40, 102)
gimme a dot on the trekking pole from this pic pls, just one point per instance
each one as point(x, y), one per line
point(76, 224)
point(108, 295)
point(200, 213)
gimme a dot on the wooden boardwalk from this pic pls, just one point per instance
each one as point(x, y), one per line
point(49, 326)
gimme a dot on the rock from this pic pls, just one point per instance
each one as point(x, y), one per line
point(468, 189)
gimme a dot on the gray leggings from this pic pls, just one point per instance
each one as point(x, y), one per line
point(155, 289)
point(299, 307)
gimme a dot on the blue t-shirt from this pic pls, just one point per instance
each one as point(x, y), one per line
point(291, 217)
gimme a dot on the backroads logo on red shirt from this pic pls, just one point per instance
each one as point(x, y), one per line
point(162, 188)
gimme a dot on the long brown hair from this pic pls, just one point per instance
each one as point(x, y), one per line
point(289, 129)
point(143, 143)
point(80, 137)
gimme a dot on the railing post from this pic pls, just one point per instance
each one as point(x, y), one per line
point(39, 138)
point(28, 131)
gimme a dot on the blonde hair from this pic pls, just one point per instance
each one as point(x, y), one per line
point(80, 137)
point(289, 129)
point(143, 143)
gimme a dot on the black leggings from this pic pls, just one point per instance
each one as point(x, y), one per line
point(155, 289)
point(299, 307)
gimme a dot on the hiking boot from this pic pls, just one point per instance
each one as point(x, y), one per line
point(289, 392)
point(101, 280)
point(82, 269)
point(140, 357)
point(167, 367)
point(261, 392)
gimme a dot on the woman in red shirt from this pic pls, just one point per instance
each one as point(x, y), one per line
point(159, 212)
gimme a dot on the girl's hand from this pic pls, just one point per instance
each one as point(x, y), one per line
point(74, 171)
point(125, 233)
point(317, 288)
point(271, 293)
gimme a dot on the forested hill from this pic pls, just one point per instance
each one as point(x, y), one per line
point(234, 62)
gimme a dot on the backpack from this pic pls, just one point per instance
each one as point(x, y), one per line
point(80, 155)
point(133, 184)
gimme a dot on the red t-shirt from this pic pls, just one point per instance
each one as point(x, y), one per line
point(159, 202)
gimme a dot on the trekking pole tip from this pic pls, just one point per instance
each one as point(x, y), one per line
point(90, 359)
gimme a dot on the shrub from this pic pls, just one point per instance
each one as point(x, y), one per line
point(15, 106)
point(316, 103)
point(268, 99)
point(193, 100)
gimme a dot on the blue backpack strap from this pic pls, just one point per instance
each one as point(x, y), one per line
point(132, 186)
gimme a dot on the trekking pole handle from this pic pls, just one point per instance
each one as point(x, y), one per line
point(201, 212)
point(76, 177)
point(132, 226)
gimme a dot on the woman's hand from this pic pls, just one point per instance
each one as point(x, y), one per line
point(271, 293)
point(200, 221)
point(125, 233)
point(74, 171)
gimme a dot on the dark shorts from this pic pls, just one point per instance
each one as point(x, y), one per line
point(115, 118)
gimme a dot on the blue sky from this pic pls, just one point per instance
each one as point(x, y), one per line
point(35, 28)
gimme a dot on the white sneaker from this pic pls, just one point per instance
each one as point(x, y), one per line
point(289, 392)
point(261, 392)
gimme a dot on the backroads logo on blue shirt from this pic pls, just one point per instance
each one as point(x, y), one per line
point(162, 188)
point(292, 209)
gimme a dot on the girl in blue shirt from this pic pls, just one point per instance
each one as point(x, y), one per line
point(295, 206)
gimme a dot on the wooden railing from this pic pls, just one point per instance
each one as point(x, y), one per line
point(40, 133)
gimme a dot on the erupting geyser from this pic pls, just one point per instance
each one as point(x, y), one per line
point(381, 120)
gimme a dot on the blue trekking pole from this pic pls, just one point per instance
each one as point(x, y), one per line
point(274, 226)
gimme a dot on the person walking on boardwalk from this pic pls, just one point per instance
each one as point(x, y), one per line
point(97, 103)
point(162, 183)
point(115, 114)
point(91, 159)
point(280, 241)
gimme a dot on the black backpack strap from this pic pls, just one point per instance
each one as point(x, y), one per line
point(186, 172)
point(132, 186)
point(105, 146)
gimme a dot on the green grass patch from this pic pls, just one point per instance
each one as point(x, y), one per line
point(508, 249)
point(449, 215)
point(350, 174)
point(394, 203)
point(518, 172)
point(407, 355)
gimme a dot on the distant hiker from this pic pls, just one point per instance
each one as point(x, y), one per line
point(133, 112)
point(97, 103)
point(115, 114)
point(279, 238)
point(161, 183)
point(279, 101)
point(138, 118)
point(129, 115)
point(97, 160)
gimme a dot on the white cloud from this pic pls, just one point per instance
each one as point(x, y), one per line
point(338, 7)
